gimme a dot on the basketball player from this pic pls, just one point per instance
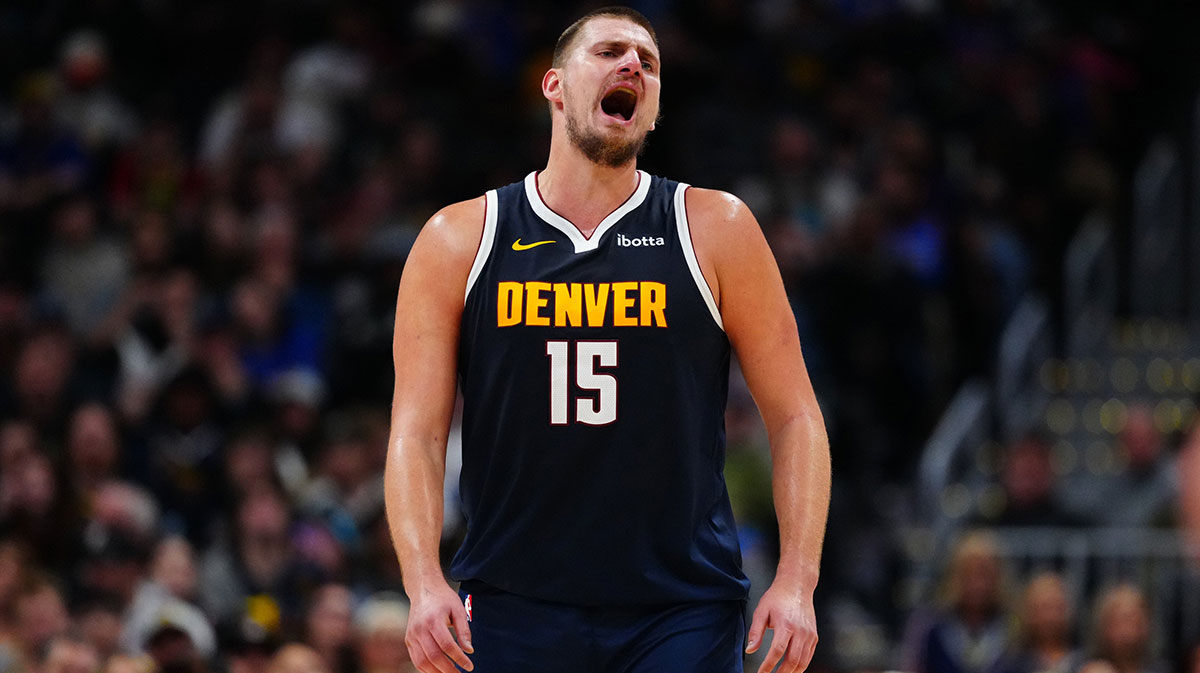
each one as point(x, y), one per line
point(587, 313)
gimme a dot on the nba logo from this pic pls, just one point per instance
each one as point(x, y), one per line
point(467, 605)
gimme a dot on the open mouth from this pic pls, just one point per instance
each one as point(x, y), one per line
point(620, 103)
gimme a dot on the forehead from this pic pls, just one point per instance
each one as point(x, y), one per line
point(615, 29)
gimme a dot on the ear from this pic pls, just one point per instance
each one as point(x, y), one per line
point(552, 87)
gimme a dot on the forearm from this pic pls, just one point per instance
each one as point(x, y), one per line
point(801, 483)
point(413, 480)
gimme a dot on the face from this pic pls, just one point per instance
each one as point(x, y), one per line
point(1047, 611)
point(1124, 624)
point(608, 87)
point(174, 567)
point(330, 622)
point(980, 578)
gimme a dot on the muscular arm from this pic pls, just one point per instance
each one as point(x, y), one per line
point(739, 267)
point(429, 307)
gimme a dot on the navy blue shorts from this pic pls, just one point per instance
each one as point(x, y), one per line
point(516, 634)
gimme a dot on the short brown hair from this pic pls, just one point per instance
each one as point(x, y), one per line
point(568, 36)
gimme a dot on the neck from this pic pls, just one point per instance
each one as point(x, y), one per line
point(580, 190)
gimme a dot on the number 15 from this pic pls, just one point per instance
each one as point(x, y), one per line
point(598, 410)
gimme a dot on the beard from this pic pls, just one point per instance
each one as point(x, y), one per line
point(599, 150)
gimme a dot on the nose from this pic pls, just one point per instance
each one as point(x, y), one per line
point(631, 63)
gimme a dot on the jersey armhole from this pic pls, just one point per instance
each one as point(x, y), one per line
point(689, 253)
point(486, 240)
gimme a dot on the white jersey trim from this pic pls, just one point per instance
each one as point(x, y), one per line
point(689, 253)
point(486, 241)
point(581, 243)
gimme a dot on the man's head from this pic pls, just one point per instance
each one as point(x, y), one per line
point(604, 80)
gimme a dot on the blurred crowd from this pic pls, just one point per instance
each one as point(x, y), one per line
point(205, 208)
point(986, 621)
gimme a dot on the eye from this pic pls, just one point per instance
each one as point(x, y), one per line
point(608, 52)
point(647, 66)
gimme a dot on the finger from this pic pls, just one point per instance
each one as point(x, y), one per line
point(757, 625)
point(451, 649)
point(419, 658)
point(793, 659)
point(800, 652)
point(779, 644)
point(438, 663)
point(462, 629)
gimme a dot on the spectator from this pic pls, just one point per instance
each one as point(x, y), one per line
point(42, 381)
point(35, 511)
point(1123, 631)
point(84, 271)
point(1146, 492)
point(1029, 483)
point(174, 568)
point(155, 602)
point(970, 633)
point(88, 105)
point(1047, 622)
point(112, 565)
point(329, 628)
point(99, 623)
point(94, 449)
point(297, 658)
point(40, 614)
point(251, 464)
point(41, 161)
point(381, 622)
point(180, 452)
point(261, 564)
point(171, 649)
point(69, 654)
point(154, 333)
point(153, 172)
point(247, 645)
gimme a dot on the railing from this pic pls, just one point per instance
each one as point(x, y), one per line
point(1157, 272)
point(965, 424)
point(1160, 562)
point(1024, 346)
point(947, 457)
point(1090, 288)
point(1090, 560)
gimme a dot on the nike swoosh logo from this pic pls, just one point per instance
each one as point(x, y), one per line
point(518, 246)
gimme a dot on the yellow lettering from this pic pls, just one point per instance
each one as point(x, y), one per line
point(596, 298)
point(508, 304)
point(654, 304)
point(535, 302)
point(622, 302)
point(568, 304)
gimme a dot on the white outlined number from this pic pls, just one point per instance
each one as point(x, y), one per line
point(600, 409)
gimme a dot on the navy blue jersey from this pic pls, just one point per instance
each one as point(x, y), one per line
point(594, 372)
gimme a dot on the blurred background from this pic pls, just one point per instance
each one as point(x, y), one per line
point(985, 212)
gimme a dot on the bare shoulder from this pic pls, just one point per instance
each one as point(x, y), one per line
point(714, 209)
point(455, 230)
point(724, 232)
point(441, 258)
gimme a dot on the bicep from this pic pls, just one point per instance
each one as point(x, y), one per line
point(429, 304)
point(758, 317)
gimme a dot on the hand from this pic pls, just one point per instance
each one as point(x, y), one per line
point(788, 611)
point(435, 610)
